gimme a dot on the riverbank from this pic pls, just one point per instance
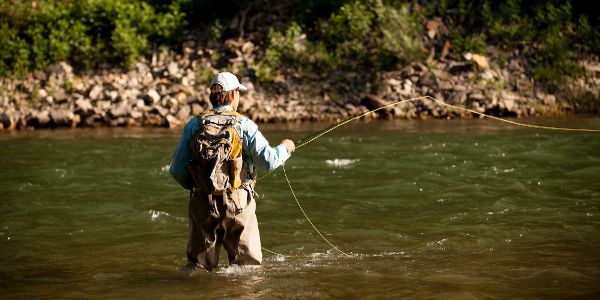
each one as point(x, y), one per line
point(168, 88)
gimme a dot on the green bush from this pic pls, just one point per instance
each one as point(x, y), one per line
point(87, 33)
point(547, 32)
point(361, 34)
point(14, 52)
point(292, 49)
point(556, 57)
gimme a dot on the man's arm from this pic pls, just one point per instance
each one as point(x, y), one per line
point(182, 155)
point(262, 154)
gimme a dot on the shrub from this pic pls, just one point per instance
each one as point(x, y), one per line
point(87, 33)
point(361, 34)
point(555, 59)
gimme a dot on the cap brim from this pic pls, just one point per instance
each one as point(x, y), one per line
point(242, 88)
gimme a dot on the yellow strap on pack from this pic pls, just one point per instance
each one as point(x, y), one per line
point(235, 155)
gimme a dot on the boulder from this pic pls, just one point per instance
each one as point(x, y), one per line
point(153, 95)
point(480, 60)
point(173, 69)
point(136, 114)
point(83, 105)
point(173, 121)
point(119, 110)
point(184, 112)
point(5, 121)
point(95, 92)
point(61, 117)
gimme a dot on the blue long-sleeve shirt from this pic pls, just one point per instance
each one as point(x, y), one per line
point(256, 150)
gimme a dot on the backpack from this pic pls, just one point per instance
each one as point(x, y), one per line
point(216, 152)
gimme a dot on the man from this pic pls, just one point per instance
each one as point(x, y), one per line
point(222, 204)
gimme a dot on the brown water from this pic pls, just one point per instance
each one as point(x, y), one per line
point(436, 209)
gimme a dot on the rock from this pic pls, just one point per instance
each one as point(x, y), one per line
point(95, 92)
point(7, 122)
point(458, 97)
point(75, 121)
point(161, 110)
point(120, 121)
point(196, 109)
point(487, 74)
point(476, 96)
point(61, 117)
point(185, 81)
point(184, 112)
point(480, 60)
point(173, 69)
point(181, 97)
point(119, 110)
point(432, 27)
point(394, 82)
point(546, 98)
point(43, 118)
point(153, 95)
point(173, 121)
point(140, 104)
point(136, 114)
point(61, 68)
point(83, 105)
point(42, 93)
point(374, 102)
point(113, 95)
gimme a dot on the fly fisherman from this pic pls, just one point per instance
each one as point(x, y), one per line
point(216, 159)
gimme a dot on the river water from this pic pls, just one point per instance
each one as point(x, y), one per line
point(437, 209)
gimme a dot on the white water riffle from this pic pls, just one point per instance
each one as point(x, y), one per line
point(341, 162)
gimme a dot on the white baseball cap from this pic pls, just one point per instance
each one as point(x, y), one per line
point(228, 81)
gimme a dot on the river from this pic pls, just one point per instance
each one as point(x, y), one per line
point(425, 209)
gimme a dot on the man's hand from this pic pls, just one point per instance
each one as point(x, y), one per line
point(289, 145)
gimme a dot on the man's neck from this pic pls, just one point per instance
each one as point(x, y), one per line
point(223, 107)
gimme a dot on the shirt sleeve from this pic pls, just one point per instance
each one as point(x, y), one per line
point(181, 156)
point(257, 147)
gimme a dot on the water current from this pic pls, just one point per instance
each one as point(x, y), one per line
point(426, 209)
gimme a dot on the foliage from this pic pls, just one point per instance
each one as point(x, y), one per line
point(551, 33)
point(323, 36)
point(361, 34)
point(87, 33)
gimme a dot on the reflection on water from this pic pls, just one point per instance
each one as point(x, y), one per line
point(436, 209)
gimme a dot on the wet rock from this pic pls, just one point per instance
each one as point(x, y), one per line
point(4, 121)
point(42, 118)
point(61, 117)
point(374, 102)
point(161, 110)
point(173, 121)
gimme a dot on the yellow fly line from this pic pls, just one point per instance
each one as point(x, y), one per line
point(320, 134)
point(445, 104)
